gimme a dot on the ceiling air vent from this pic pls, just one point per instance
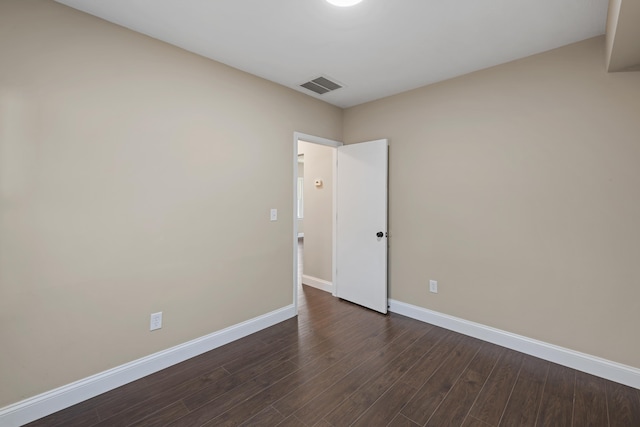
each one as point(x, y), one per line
point(321, 85)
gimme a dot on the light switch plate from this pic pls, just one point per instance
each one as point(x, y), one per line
point(274, 214)
point(433, 286)
point(156, 321)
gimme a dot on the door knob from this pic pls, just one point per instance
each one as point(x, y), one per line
point(379, 234)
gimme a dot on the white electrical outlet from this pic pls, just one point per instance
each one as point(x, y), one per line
point(156, 321)
point(274, 214)
point(433, 286)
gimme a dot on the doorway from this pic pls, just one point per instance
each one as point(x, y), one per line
point(358, 223)
point(315, 231)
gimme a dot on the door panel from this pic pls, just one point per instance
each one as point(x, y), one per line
point(361, 199)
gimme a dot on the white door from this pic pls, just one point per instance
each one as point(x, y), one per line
point(361, 224)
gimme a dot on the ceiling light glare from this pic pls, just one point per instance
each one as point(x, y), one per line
point(344, 3)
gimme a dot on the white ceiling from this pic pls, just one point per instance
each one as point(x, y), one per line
point(375, 49)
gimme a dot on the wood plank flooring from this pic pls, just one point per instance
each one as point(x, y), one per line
point(338, 364)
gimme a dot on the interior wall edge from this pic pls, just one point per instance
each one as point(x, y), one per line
point(314, 282)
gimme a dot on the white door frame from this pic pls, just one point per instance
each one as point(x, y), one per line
point(299, 136)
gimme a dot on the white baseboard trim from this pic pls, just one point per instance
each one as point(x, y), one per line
point(317, 283)
point(597, 366)
point(47, 403)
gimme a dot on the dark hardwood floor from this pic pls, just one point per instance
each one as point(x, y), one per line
point(338, 364)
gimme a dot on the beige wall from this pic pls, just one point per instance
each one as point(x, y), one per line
point(134, 177)
point(516, 188)
point(318, 210)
